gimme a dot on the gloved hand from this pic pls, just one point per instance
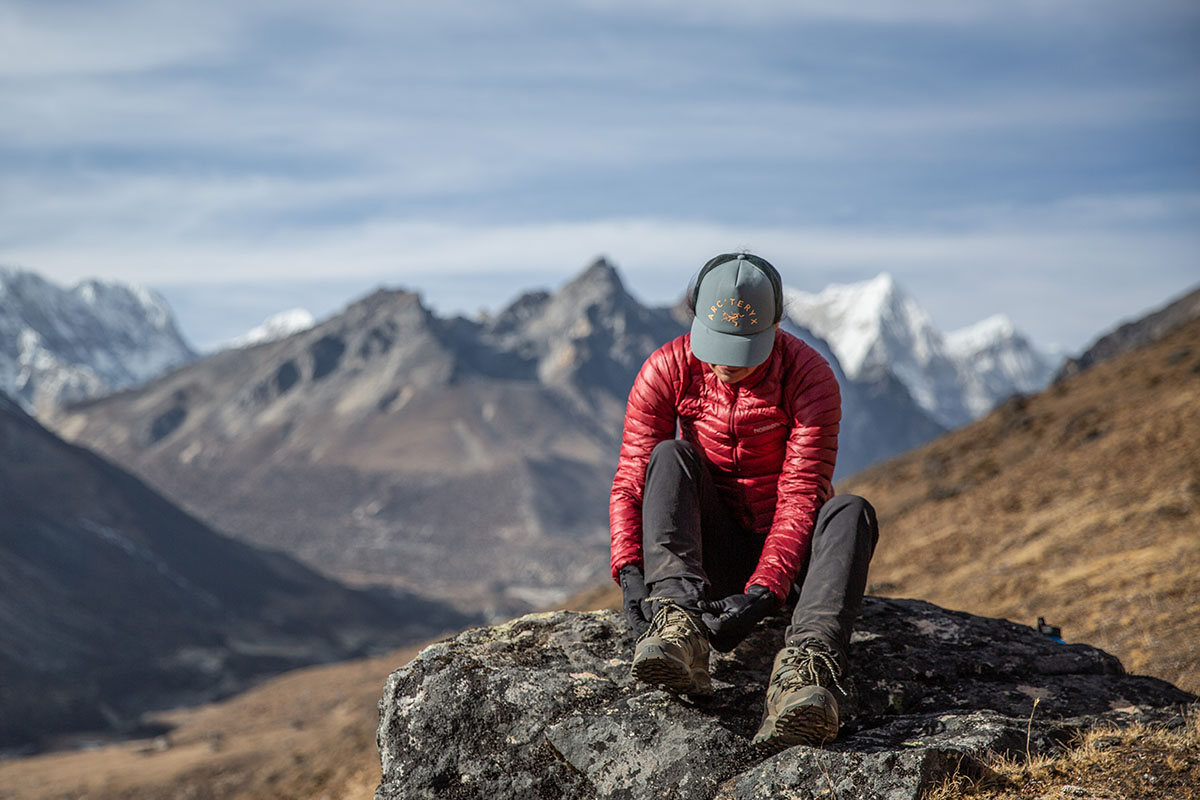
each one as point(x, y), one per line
point(730, 620)
point(633, 592)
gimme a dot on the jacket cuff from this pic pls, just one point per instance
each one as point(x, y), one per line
point(778, 589)
point(618, 566)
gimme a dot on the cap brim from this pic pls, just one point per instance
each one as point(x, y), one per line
point(728, 349)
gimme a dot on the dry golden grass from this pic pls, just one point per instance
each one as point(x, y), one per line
point(1138, 762)
point(1079, 505)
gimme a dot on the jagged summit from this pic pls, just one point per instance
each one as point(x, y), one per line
point(874, 325)
point(59, 345)
point(879, 292)
point(985, 333)
point(600, 270)
point(996, 361)
point(858, 318)
point(589, 334)
point(599, 286)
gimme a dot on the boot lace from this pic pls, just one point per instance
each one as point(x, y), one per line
point(672, 623)
point(810, 664)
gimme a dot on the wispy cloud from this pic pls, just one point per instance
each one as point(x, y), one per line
point(955, 144)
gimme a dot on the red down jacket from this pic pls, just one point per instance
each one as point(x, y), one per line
point(770, 442)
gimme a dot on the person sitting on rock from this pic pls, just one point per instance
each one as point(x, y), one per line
point(713, 530)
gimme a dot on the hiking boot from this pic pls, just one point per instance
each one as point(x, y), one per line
point(673, 652)
point(800, 708)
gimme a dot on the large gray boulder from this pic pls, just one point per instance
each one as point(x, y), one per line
point(544, 706)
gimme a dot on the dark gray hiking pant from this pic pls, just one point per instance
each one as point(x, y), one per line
point(694, 549)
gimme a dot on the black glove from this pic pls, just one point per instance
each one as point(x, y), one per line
point(633, 592)
point(730, 620)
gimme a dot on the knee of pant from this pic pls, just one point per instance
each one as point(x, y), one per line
point(865, 513)
point(850, 505)
point(858, 506)
point(672, 450)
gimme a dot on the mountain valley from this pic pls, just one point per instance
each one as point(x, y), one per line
point(351, 445)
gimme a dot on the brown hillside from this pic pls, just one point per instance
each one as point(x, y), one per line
point(1081, 505)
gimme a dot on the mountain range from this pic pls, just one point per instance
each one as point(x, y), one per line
point(352, 444)
point(59, 345)
point(389, 445)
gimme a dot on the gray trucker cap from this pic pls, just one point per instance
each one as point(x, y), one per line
point(735, 315)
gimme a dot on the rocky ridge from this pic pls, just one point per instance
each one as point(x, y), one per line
point(351, 445)
point(1134, 334)
point(544, 706)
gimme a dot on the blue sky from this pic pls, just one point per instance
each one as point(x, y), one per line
point(1040, 159)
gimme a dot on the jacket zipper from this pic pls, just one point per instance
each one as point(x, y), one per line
point(732, 432)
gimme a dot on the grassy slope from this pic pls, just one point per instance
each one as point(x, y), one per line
point(1081, 505)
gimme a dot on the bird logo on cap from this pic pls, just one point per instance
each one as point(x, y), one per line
point(747, 311)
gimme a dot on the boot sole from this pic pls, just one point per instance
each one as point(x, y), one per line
point(807, 723)
point(672, 675)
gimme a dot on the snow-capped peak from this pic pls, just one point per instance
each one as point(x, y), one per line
point(277, 326)
point(874, 325)
point(995, 361)
point(125, 298)
point(860, 319)
point(58, 344)
point(983, 334)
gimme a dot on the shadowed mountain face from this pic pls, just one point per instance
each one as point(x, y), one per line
point(468, 460)
point(113, 601)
